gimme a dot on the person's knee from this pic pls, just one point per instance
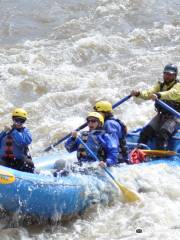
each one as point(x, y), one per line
point(162, 139)
point(148, 130)
point(60, 164)
point(27, 166)
point(164, 134)
point(147, 133)
point(60, 167)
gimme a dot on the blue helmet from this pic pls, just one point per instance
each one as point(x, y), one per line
point(171, 68)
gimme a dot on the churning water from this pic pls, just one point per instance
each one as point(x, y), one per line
point(57, 57)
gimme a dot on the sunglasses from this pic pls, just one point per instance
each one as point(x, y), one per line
point(19, 120)
point(91, 120)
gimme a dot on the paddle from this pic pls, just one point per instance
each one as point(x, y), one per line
point(64, 138)
point(168, 108)
point(83, 126)
point(158, 152)
point(129, 195)
point(121, 101)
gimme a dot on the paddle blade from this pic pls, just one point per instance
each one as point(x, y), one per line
point(129, 195)
point(158, 152)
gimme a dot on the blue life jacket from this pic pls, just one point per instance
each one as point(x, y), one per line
point(14, 144)
point(101, 144)
point(93, 142)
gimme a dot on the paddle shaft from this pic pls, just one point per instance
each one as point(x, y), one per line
point(94, 156)
point(168, 108)
point(128, 194)
point(89, 150)
point(83, 126)
point(121, 101)
point(64, 138)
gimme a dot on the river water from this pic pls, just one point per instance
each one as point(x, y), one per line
point(57, 58)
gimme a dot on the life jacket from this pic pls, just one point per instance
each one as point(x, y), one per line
point(91, 139)
point(9, 155)
point(175, 105)
point(136, 156)
point(9, 149)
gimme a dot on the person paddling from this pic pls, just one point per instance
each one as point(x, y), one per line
point(100, 143)
point(14, 141)
point(113, 126)
point(164, 124)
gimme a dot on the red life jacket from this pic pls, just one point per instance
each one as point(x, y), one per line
point(9, 149)
point(137, 156)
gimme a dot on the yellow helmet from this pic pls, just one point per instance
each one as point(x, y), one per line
point(103, 106)
point(19, 112)
point(96, 115)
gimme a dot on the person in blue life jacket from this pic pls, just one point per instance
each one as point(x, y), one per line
point(14, 141)
point(113, 126)
point(101, 143)
point(163, 124)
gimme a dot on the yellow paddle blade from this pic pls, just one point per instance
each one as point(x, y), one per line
point(129, 195)
point(158, 152)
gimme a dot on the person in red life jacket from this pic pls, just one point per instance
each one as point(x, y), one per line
point(164, 124)
point(14, 141)
point(116, 128)
point(100, 143)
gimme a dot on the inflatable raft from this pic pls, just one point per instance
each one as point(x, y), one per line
point(47, 196)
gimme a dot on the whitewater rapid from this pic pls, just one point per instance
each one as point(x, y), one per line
point(57, 58)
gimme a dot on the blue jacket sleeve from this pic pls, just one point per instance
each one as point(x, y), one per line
point(22, 138)
point(2, 135)
point(71, 144)
point(111, 148)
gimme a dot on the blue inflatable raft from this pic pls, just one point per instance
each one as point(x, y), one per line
point(46, 196)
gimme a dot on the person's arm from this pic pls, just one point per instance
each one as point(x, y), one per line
point(172, 95)
point(111, 149)
point(71, 144)
point(146, 94)
point(2, 135)
point(22, 138)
